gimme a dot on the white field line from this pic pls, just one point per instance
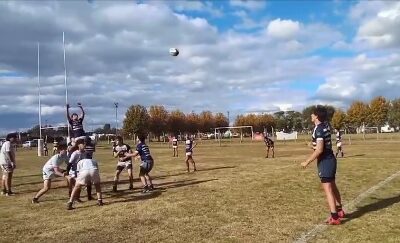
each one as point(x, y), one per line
point(350, 207)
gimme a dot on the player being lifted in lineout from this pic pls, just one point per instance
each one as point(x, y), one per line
point(76, 123)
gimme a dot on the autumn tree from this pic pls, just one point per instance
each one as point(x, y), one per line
point(176, 122)
point(192, 123)
point(339, 119)
point(394, 113)
point(207, 121)
point(358, 113)
point(221, 120)
point(379, 109)
point(267, 121)
point(158, 120)
point(136, 120)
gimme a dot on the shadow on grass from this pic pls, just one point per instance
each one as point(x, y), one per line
point(376, 206)
point(355, 155)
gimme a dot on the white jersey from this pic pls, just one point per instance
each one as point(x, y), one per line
point(6, 148)
point(55, 161)
point(76, 156)
point(87, 164)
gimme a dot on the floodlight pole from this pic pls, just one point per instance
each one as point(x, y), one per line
point(116, 117)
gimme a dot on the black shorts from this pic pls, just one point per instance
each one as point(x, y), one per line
point(145, 167)
point(327, 169)
point(78, 133)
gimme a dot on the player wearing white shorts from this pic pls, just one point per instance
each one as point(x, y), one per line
point(123, 163)
point(189, 146)
point(76, 156)
point(339, 148)
point(88, 174)
point(7, 163)
point(175, 146)
point(52, 169)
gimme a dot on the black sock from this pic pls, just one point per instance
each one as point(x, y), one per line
point(335, 215)
point(338, 207)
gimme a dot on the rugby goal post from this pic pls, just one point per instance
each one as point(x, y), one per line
point(41, 141)
point(217, 131)
point(370, 130)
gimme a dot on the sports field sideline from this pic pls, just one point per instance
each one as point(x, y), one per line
point(236, 196)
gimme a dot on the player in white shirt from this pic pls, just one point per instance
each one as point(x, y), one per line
point(52, 169)
point(175, 146)
point(189, 146)
point(124, 163)
point(88, 173)
point(76, 156)
point(8, 163)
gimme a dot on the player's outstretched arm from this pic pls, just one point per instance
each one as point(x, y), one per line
point(68, 115)
point(58, 172)
point(82, 110)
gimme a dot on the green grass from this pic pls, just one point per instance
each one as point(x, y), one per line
point(236, 196)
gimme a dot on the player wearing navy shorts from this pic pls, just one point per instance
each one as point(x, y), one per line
point(76, 123)
point(146, 164)
point(123, 163)
point(189, 146)
point(339, 148)
point(175, 146)
point(326, 163)
point(269, 144)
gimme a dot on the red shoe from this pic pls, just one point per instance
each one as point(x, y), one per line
point(341, 214)
point(332, 221)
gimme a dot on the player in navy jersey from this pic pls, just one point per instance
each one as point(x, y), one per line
point(269, 143)
point(339, 148)
point(326, 163)
point(76, 122)
point(123, 163)
point(189, 146)
point(175, 146)
point(146, 164)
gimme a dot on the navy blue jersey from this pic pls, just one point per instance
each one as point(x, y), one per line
point(144, 151)
point(268, 142)
point(174, 142)
point(338, 136)
point(189, 145)
point(77, 127)
point(322, 132)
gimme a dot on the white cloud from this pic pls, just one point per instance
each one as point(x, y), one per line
point(283, 29)
point(252, 5)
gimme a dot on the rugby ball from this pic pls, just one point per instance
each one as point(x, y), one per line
point(173, 52)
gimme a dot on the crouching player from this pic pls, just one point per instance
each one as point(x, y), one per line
point(52, 169)
point(327, 163)
point(146, 165)
point(88, 173)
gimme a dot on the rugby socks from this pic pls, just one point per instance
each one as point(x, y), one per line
point(338, 208)
point(335, 215)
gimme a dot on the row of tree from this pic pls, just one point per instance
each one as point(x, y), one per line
point(158, 120)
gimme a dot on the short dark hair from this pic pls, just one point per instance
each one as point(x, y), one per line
point(119, 138)
point(142, 137)
point(62, 146)
point(11, 135)
point(74, 114)
point(321, 112)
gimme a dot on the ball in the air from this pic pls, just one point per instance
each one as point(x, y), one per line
point(173, 52)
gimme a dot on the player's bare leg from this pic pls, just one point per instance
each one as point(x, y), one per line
point(187, 163)
point(116, 179)
point(75, 192)
point(46, 188)
point(194, 164)
point(130, 174)
point(273, 152)
point(99, 194)
point(267, 152)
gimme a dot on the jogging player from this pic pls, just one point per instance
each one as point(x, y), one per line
point(326, 163)
point(190, 145)
point(123, 163)
point(269, 144)
point(339, 148)
point(175, 146)
point(146, 164)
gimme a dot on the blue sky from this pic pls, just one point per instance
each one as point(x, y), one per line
point(241, 56)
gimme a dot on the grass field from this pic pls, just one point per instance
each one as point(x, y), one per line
point(236, 196)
